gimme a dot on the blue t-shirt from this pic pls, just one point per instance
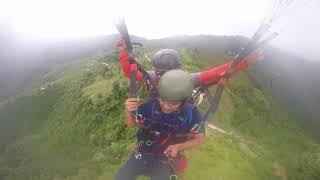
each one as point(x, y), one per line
point(157, 125)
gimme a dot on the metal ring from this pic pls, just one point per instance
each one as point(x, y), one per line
point(173, 177)
point(149, 143)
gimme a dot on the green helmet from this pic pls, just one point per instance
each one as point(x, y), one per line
point(175, 85)
point(166, 59)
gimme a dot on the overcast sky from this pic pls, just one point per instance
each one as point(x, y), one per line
point(55, 19)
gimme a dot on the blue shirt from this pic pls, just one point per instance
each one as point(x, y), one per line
point(157, 125)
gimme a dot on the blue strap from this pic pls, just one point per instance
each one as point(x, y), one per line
point(190, 116)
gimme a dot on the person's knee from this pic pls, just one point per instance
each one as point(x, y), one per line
point(127, 171)
point(161, 173)
point(122, 174)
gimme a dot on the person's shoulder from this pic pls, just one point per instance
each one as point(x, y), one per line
point(186, 109)
point(187, 106)
point(190, 113)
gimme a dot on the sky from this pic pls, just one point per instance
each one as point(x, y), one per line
point(57, 19)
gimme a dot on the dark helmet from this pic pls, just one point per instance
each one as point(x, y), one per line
point(166, 59)
point(175, 85)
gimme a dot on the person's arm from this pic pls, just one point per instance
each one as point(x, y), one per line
point(206, 77)
point(124, 60)
point(174, 149)
point(131, 105)
point(195, 141)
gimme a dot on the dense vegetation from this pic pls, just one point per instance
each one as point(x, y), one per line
point(70, 126)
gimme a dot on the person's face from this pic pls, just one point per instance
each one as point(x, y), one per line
point(169, 107)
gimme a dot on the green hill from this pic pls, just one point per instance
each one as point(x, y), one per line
point(70, 125)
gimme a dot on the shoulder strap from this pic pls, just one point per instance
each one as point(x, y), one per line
point(155, 114)
point(186, 113)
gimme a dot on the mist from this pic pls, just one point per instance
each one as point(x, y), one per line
point(42, 21)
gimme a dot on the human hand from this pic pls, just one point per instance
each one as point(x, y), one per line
point(172, 150)
point(131, 104)
point(121, 45)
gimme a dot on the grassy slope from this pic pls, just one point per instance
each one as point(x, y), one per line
point(75, 129)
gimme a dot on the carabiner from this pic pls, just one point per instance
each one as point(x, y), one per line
point(173, 177)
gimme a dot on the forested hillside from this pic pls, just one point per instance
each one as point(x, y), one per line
point(68, 124)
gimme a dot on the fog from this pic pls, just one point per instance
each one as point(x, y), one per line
point(46, 20)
